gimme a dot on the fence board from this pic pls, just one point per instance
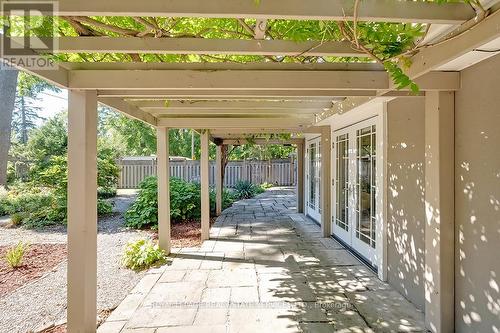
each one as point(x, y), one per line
point(278, 172)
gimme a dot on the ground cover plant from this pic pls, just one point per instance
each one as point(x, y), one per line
point(142, 254)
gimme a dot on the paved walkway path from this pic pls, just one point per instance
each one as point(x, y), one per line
point(265, 269)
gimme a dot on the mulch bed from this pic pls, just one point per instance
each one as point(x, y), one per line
point(186, 233)
point(38, 260)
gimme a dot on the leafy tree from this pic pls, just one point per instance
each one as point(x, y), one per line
point(129, 136)
point(51, 139)
point(261, 152)
point(135, 138)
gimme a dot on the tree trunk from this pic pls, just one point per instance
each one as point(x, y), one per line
point(8, 84)
point(24, 126)
point(225, 159)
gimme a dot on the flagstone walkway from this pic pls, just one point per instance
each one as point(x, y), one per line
point(265, 269)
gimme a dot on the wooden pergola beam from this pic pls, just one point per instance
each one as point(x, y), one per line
point(159, 112)
point(151, 45)
point(238, 133)
point(369, 10)
point(230, 80)
point(232, 95)
point(432, 57)
point(262, 81)
point(305, 117)
point(230, 123)
point(129, 110)
point(57, 76)
point(261, 141)
point(221, 66)
point(228, 105)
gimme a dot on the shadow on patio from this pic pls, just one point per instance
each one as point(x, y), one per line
point(265, 269)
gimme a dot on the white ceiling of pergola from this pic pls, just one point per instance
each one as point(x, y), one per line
point(236, 99)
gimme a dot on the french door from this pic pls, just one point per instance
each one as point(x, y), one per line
point(354, 187)
point(313, 179)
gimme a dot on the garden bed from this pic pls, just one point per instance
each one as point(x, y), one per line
point(186, 233)
point(38, 260)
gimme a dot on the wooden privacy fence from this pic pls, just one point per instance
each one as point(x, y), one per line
point(277, 172)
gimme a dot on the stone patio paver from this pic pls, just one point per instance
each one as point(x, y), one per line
point(265, 269)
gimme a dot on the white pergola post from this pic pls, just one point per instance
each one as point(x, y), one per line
point(439, 211)
point(218, 181)
point(300, 176)
point(205, 186)
point(326, 181)
point(82, 211)
point(163, 171)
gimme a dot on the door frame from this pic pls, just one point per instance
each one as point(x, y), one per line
point(314, 214)
point(377, 110)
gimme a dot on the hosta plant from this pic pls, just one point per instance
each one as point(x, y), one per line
point(142, 254)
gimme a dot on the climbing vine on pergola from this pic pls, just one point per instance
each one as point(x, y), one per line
point(387, 43)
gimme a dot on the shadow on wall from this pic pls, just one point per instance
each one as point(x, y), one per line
point(477, 256)
point(477, 199)
point(405, 198)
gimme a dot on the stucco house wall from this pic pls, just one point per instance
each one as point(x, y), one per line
point(405, 198)
point(477, 199)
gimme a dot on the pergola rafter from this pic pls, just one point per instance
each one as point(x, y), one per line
point(369, 10)
point(235, 95)
point(243, 105)
point(152, 45)
point(241, 122)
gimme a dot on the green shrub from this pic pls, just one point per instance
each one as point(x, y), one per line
point(143, 212)
point(185, 203)
point(17, 218)
point(185, 200)
point(266, 185)
point(21, 200)
point(259, 190)
point(107, 170)
point(142, 254)
point(104, 207)
point(38, 208)
point(245, 190)
point(106, 192)
point(15, 254)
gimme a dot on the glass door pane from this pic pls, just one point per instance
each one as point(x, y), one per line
point(312, 176)
point(365, 186)
point(342, 182)
point(318, 177)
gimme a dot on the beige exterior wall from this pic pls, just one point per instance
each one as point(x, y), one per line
point(405, 198)
point(477, 199)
